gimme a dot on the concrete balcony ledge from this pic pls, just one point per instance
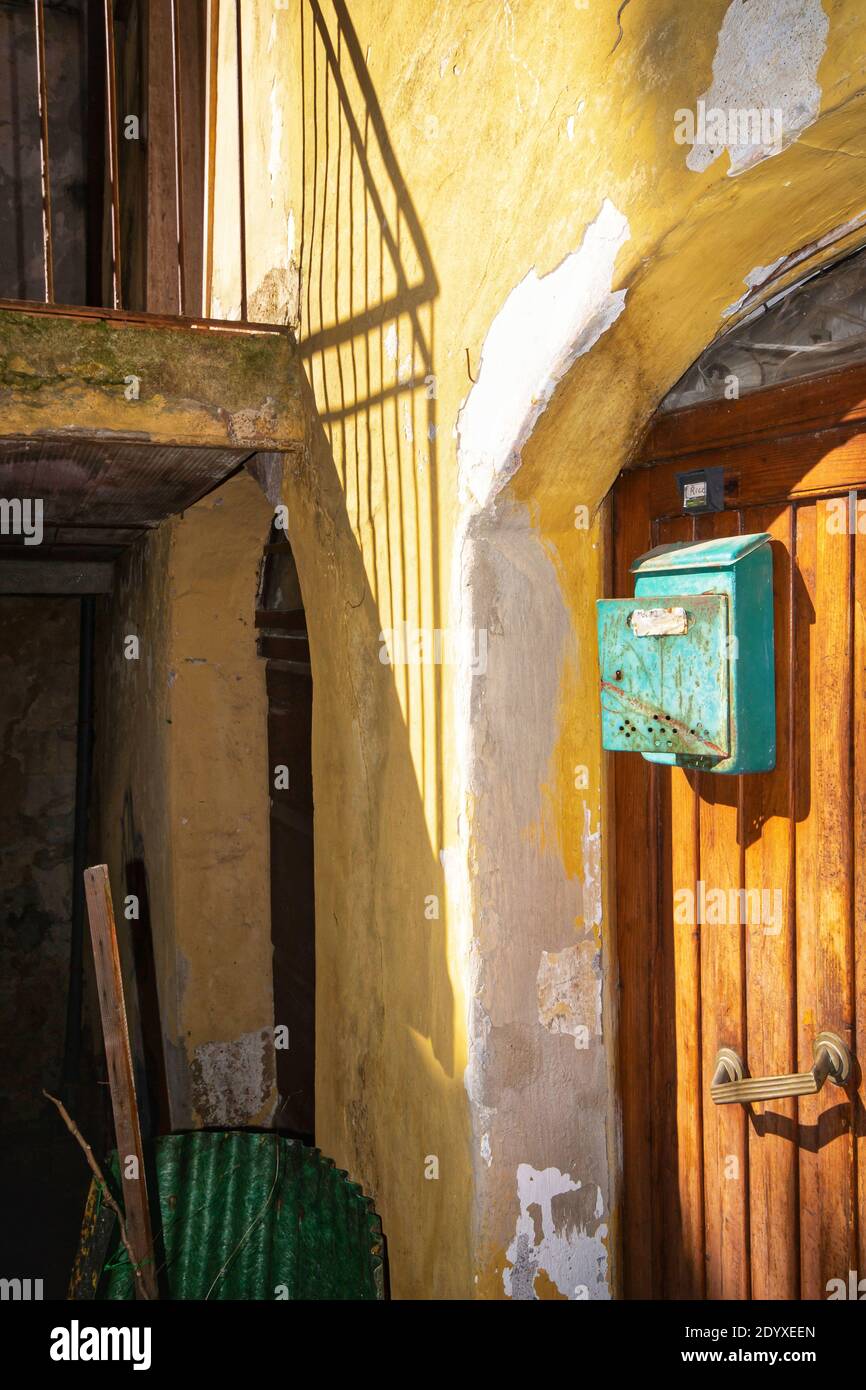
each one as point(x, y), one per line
point(101, 374)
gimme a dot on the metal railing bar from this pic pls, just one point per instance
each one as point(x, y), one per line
point(211, 98)
point(113, 170)
point(241, 170)
point(42, 98)
point(140, 317)
point(178, 159)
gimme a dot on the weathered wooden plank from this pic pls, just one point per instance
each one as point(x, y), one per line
point(771, 958)
point(636, 904)
point(162, 247)
point(824, 889)
point(794, 406)
point(723, 1020)
point(772, 470)
point(859, 853)
point(109, 983)
point(682, 1193)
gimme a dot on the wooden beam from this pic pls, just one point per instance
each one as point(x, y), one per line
point(37, 577)
point(109, 981)
point(162, 248)
point(191, 25)
point(788, 408)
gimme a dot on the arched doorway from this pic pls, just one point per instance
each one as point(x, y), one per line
point(282, 642)
point(739, 900)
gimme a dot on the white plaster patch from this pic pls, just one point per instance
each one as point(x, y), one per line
point(591, 842)
point(767, 58)
point(408, 431)
point(568, 985)
point(392, 343)
point(759, 276)
point(573, 1258)
point(229, 1079)
point(485, 1149)
point(545, 324)
point(762, 273)
point(449, 858)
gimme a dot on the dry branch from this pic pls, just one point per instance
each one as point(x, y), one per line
point(100, 1178)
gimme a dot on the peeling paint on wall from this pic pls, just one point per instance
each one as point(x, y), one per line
point(545, 324)
point(553, 1237)
point(569, 992)
point(767, 59)
point(232, 1081)
point(765, 274)
point(755, 278)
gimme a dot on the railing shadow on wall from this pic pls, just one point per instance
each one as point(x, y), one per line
point(366, 421)
point(368, 297)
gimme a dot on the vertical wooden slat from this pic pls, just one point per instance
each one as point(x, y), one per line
point(771, 957)
point(162, 278)
point(859, 852)
point(113, 171)
point(211, 92)
point(723, 1018)
point(636, 901)
point(824, 889)
point(178, 132)
point(192, 60)
point(241, 166)
point(109, 983)
point(42, 99)
point(681, 1195)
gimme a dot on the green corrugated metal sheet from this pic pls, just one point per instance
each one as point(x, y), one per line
point(247, 1215)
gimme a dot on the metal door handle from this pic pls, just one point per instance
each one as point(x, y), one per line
point(730, 1084)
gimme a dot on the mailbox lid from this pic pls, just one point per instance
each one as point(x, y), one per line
point(664, 690)
point(680, 557)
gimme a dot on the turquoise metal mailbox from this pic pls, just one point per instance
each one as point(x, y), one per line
point(687, 665)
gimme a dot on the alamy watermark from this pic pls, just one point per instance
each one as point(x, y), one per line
point(22, 516)
point(736, 126)
point(21, 1290)
point(77, 1343)
point(730, 907)
point(854, 1288)
point(407, 645)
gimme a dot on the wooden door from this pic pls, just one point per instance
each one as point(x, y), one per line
point(760, 1201)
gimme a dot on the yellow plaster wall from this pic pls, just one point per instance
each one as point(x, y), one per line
point(408, 166)
point(182, 778)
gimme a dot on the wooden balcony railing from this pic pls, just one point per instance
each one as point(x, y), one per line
point(144, 133)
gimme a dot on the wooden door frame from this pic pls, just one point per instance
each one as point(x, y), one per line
point(775, 428)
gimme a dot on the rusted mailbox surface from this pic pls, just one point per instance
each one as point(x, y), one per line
point(687, 665)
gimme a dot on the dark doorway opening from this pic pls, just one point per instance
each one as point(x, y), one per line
point(283, 642)
point(43, 1179)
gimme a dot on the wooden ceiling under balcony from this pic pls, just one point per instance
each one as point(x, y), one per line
point(118, 421)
